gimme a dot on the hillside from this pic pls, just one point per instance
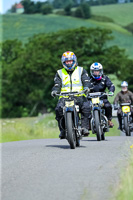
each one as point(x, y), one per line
point(25, 26)
point(121, 14)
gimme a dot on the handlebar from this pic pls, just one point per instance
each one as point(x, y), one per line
point(70, 94)
point(98, 94)
point(117, 106)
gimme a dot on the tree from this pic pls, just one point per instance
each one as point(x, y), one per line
point(67, 9)
point(38, 7)
point(46, 9)
point(58, 4)
point(13, 8)
point(79, 12)
point(86, 10)
point(29, 6)
point(83, 11)
point(28, 72)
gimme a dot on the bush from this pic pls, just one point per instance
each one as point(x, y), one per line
point(46, 9)
point(60, 12)
point(86, 10)
point(83, 11)
point(129, 27)
point(67, 9)
point(102, 18)
point(79, 12)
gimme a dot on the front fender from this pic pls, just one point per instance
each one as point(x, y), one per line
point(96, 108)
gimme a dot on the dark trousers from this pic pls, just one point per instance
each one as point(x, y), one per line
point(108, 109)
point(84, 107)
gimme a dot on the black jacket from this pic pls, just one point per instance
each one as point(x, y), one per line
point(101, 85)
point(58, 82)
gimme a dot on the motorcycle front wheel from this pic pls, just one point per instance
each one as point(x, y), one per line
point(70, 130)
point(97, 125)
point(126, 126)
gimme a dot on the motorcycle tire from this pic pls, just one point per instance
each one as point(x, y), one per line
point(97, 125)
point(126, 126)
point(70, 130)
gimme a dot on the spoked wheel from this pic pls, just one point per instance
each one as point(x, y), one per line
point(126, 126)
point(70, 131)
point(97, 125)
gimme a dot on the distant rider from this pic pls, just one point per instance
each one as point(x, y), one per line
point(99, 83)
point(72, 78)
point(124, 96)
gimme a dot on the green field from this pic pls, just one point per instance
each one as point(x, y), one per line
point(122, 14)
point(24, 26)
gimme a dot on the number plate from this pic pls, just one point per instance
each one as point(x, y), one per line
point(95, 100)
point(126, 108)
point(69, 103)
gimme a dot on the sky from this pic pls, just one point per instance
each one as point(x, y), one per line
point(6, 4)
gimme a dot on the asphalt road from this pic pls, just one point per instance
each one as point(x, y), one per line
point(48, 169)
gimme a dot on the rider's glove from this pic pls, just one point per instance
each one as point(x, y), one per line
point(53, 93)
point(86, 90)
point(111, 93)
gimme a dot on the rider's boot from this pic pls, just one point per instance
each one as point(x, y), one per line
point(62, 135)
point(85, 126)
point(85, 132)
point(62, 131)
point(110, 123)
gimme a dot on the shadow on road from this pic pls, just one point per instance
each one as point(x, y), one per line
point(63, 146)
point(95, 140)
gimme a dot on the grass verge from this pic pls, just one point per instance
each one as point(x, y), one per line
point(41, 127)
point(125, 190)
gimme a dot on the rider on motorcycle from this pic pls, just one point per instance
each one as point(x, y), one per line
point(72, 78)
point(124, 96)
point(99, 83)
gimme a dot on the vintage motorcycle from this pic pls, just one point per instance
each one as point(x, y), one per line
point(71, 119)
point(99, 122)
point(126, 118)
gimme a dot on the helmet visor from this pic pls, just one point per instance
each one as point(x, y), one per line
point(97, 73)
point(69, 65)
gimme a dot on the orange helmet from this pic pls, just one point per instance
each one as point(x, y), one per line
point(69, 55)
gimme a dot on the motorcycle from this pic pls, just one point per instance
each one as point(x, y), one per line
point(71, 118)
point(126, 118)
point(99, 122)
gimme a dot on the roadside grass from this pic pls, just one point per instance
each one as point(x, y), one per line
point(42, 127)
point(125, 189)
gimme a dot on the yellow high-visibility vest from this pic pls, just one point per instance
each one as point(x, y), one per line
point(71, 83)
